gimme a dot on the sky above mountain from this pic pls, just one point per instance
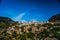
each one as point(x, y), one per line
point(29, 10)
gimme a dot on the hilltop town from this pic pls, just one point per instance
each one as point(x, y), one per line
point(10, 30)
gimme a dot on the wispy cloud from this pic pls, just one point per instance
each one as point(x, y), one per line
point(19, 17)
point(23, 20)
point(34, 20)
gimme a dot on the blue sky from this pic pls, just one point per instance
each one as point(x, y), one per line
point(29, 10)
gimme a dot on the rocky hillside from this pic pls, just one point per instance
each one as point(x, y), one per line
point(30, 30)
point(54, 18)
point(5, 22)
point(5, 19)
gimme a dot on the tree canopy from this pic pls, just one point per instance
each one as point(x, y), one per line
point(54, 18)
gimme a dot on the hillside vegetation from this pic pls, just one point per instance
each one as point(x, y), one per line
point(10, 30)
point(55, 18)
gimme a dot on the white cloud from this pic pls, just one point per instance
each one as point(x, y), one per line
point(19, 17)
point(34, 20)
point(23, 20)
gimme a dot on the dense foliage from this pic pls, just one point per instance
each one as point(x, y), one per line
point(55, 18)
point(10, 30)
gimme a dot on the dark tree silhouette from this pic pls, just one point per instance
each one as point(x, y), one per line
point(55, 18)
